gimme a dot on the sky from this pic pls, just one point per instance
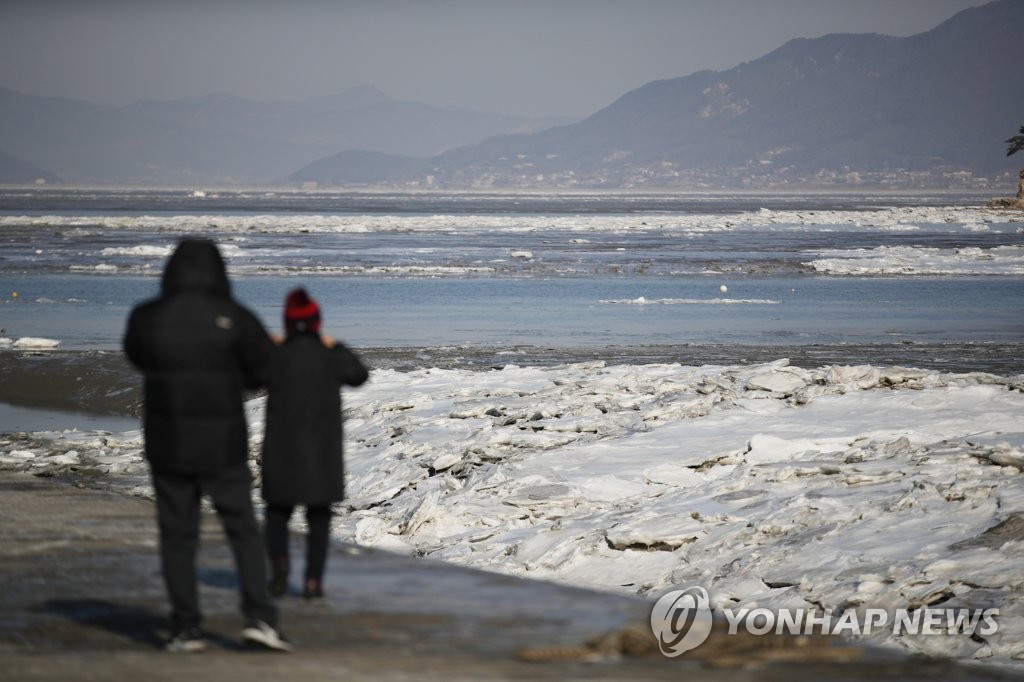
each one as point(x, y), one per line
point(525, 57)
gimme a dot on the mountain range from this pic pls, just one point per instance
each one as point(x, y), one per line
point(224, 140)
point(844, 109)
point(931, 109)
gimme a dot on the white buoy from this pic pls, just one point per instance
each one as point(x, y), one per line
point(723, 288)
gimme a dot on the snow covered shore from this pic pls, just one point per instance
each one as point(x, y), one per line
point(841, 487)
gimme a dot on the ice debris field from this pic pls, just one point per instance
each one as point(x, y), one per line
point(84, 243)
point(842, 487)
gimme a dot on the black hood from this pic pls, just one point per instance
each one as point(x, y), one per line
point(196, 266)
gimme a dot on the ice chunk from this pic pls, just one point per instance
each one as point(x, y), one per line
point(34, 343)
point(783, 382)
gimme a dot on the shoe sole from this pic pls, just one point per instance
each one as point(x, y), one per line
point(262, 639)
point(189, 647)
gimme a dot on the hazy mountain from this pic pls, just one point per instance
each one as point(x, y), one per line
point(362, 118)
point(843, 108)
point(359, 168)
point(14, 171)
point(229, 140)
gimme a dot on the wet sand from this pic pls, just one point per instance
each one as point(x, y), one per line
point(84, 600)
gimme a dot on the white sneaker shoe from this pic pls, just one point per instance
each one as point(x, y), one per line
point(258, 632)
point(189, 641)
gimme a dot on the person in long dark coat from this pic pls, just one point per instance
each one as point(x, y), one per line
point(198, 350)
point(302, 447)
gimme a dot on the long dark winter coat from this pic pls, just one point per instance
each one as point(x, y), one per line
point(198, 349)
point(302, 449)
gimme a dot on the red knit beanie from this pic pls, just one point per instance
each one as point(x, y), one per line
point(301, 313)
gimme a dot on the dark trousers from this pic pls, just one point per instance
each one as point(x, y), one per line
point(319, 521)
point(178, 514)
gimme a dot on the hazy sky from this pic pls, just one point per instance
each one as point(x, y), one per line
point(532, 57)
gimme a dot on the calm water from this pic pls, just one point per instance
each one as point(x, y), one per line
point(89, 311)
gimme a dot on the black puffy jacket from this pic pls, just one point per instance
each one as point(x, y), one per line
point(302, 457)
point(198, 350)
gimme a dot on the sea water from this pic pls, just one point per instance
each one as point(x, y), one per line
point(89, 312)
point(549, 271)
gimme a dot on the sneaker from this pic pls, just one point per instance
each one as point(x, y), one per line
point(259, 633)
point(188, 641)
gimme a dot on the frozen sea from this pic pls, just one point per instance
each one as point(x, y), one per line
point(792, 401)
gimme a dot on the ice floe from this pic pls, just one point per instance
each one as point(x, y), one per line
point(265, 243)
point(909, 218)
point(642, 300)
point(914, 260)
point(30, 343)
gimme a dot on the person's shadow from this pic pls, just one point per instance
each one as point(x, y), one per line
point(136, 623)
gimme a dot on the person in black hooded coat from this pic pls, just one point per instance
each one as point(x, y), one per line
point(302, 447)
point(198, 350)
